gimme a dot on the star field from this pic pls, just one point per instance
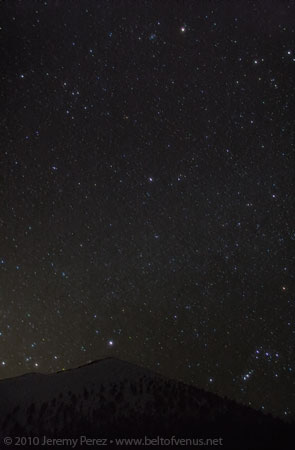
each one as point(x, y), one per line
point(147, 191)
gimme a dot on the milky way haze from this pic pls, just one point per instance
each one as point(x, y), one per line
point(147, 185)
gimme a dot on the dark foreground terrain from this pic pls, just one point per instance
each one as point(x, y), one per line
point(111, 399)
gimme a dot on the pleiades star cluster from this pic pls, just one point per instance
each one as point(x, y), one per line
point(147, 191)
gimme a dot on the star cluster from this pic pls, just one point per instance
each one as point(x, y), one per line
point(147, 180)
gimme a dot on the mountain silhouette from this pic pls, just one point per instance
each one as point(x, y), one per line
point(113, 399)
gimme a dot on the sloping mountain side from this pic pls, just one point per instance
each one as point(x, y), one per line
point(110, 399)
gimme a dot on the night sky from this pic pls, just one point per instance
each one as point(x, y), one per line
point(147, 191)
